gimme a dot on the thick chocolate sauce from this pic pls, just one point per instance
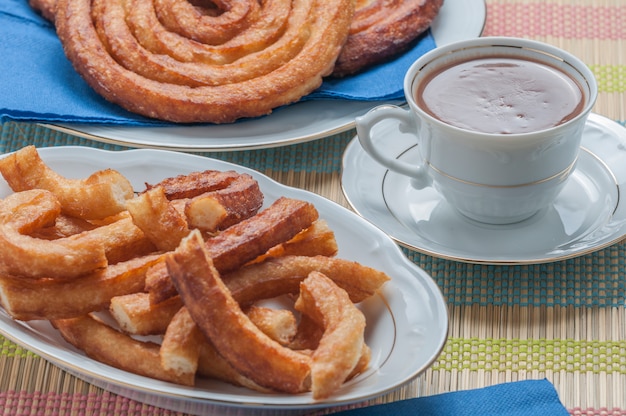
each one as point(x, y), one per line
point(500, 94)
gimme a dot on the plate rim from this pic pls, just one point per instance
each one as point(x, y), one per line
point(594, 118)
point(412, 275)
point(345, 123)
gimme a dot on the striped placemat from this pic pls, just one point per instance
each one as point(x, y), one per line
point(564, 321)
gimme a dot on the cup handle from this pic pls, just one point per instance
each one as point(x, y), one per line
point(364, 126)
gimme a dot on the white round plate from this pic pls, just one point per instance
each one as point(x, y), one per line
point(589, 213)
point(407, 320)
point(305, 121)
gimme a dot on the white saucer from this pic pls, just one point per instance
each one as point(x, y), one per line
point(588, 214)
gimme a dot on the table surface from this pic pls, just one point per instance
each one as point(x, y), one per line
point(564, 321)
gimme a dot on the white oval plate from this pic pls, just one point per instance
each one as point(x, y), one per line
point(406, 325)
point(305, 121)
point(588, 214)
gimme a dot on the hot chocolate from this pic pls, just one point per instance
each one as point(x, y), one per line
point(501, 95)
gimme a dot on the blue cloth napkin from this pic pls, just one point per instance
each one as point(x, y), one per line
point(39, 84)
point(520, 398)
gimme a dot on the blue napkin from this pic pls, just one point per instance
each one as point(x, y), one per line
point(520, 398)
point(39, 84)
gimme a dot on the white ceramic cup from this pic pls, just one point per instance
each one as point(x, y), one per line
point(491, 178)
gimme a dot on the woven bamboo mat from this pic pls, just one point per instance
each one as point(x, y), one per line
point(564, 321)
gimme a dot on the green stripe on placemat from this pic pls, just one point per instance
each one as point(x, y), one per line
point(597, 279)
point(323, 155)
point(10, 349)
point(533, 354)
point(610, 78)
point(590, 356)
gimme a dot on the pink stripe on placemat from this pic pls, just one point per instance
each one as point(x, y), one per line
point(568, 21)
point(14, 403)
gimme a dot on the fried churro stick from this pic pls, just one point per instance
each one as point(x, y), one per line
point(159, 286)
point(24, 213)
point(280, 275)
point(20, 254)
point(101, 195)
point(121, 238)
point(316, 240)
point(160, 221)
point(64, 226)
point(211, 364)
point(220, 209)
point(278, 324)
point(250, 238)
point(180, 349)
point(245, 241)
point(341, 345)
point(194, 183)
point(167, 211)
point(186, 352)
point(221, 320)
point(135, 314)
point(103, 343)
point(28, 299)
